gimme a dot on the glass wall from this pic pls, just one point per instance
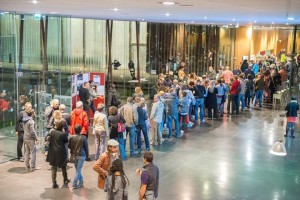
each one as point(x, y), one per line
point(38, 55)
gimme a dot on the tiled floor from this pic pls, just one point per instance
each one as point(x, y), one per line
point(220, 160)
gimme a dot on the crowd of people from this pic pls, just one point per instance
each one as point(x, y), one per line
point(182, 101)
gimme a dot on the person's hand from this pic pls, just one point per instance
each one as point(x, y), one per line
point(138, 172)
point(16, 132)
point(106, 173)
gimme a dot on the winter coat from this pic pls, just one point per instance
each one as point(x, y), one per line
point(80, 117)
point(184, 106)
point(57, 155)
point(211, 99)
point(102, 165)
point(171, 102)
point(113, 121)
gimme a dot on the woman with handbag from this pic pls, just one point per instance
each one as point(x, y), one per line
point(116, 184)
point(57, 156)
point(116, 123)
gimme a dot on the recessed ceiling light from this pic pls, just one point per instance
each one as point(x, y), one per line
point(237, 25)
point(287, 24)
point(167, 14)
point(291, 18)
point(168, 3)
point(34, 1)
point(233, 19)
point(116, 9)
point(205, 17)
point(6, 12)
point(272, 22)
point(143, 19)
point(192, 22)
point(254, 21)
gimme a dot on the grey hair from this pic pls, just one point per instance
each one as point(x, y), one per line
point(53, 101)
point(79, 104)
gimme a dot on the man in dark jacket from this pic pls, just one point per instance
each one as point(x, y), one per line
point(84, 96)
point(200, 94)
point(20, 129)
point(244, 66)
point(79, 149)
point(149, 178)
point(291, 114)
point(172, 102)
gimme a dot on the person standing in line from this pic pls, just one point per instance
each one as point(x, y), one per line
point(54, 105)
point(30, 139)
point(149, 178)
point(249, 90)
point(227, 75)
point(57, 155)
point(131, 118)
point(291, 115)
point(142, 127)
point(93, 95)
point(183, 111)
point(234, 93)
point(84, 96)
point(221, 96)
point(103, 164)
point(172, 102)
point(242, 92)
point(200, 94)
point(116, 184)
point(156, 118)
point(113, 97)
point(211, 101)
point(259, 90)
point(20, 129)
point(79, 116)
point(67, 117)
point(79, 148)
point(100, 130)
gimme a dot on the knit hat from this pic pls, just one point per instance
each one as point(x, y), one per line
point(112, 143)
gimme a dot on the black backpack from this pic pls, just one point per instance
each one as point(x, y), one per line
point(115, 101)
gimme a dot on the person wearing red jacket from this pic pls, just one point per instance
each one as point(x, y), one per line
point(79, 116)
point(234, 91)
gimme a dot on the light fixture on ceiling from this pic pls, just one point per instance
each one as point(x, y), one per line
point(278, 148)
point(233, 20)
point(205, 17)
point(116, 9)
point(273, 23)
point(287, 24)
point(255, 21)
point(237, 25)
point(291, 18)
point(34, 1)
point(167, 14)
point(168, 3)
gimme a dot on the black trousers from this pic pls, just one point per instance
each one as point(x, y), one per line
point(54, 172)
point(20, 144)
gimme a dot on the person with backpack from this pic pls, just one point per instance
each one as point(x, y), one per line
point(79, 116)
point(113, 97)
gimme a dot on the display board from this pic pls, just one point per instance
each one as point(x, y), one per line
point(99, 82)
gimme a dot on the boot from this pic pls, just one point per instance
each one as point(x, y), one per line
point(55, 186)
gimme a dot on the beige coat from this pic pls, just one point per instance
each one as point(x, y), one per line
point(102, 165)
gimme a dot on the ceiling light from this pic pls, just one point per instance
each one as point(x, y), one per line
point(233, 19)
point(272, 22)
point(287, 24)
point(34, 1)
point(168, 3)
point(116, 9)
point(192, 22)
point(205, 17)
point(167, 14)
point(254, 21)
point(291, 18)
point(237, 25)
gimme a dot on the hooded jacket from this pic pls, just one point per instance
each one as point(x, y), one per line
point(80, 117)
point(29, 129)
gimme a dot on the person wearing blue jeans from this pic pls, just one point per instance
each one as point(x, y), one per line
point(200, 94)
point(242, 92)
point(132, 135)
point(79, 148)
point(142, 127)
point(169, 124)
point(291, 114)
point(259, 97)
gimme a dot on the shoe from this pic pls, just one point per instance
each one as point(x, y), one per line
point(285, 135)
point(67, 181)
point(55, 186)
point(21, 159)
point(293, 136)
point(134, 153)
point(35, 168)
point(88, 159)
point(76, 186)
point(148, 149)
point(202, 121)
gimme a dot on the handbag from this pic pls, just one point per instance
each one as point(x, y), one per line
point(121, 126)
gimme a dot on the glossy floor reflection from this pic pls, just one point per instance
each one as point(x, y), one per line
point(223, 159)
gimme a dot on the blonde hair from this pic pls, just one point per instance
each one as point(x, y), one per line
point(57, 116)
